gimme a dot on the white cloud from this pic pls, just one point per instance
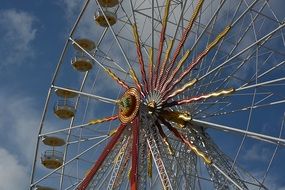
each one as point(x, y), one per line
point(71, 8)
point(20, 121)
point(13, 175)
point(19, 124)
point(17, 31)
point(258, 153)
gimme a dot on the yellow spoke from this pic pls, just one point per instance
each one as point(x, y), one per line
point(179, 65)
point(198, 152)
point(161, 41)
point(175, 116)
point(139, 53)
point(167, 54)
point(116, 78)
point(213, 94)
point(150, 67)
point(188, 143)
point(165, 139)
point(183, 88)
point(102, 120)
point(184, 35)
point(149, 164)
point(195, 62)
point(218, 38)
point(136, 80)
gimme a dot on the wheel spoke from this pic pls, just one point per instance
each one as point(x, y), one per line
point(161, 42)
point(83, 185)
point(100, 98)
point(196, 61)
point(138, 47)
point(253, 135)
point(135, 151)
point(184, 36)
point(166, 74)
point(108, 71)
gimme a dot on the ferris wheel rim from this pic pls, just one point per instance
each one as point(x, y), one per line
point(200, 78)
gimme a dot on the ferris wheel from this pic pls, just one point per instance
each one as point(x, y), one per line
point(172, 94)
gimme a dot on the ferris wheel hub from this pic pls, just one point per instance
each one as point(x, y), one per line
point(129, 105)
point(151, 106)
point(154, 100)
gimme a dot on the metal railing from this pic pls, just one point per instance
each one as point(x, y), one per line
point(52, 155)
point(64, 104)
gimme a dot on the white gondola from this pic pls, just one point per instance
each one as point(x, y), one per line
point(64, 109)
point(52, 159)
point(100, 19)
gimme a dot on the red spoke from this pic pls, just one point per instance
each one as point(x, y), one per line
point(167, 54)
point(161, 41)
point(102, 157)
point(172, 129)
point(182, 89)
point(198, 59)
point(213, 94)
point(197, 98)
point(135, 152)
point(164, 138)
point(187, 142)
point(178, 67)
point(135, 78)
point(184, 37)
point(140, 57)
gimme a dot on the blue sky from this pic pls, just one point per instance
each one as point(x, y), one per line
point(33, 34)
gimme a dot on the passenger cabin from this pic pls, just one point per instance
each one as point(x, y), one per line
point(107, 15)
point(52, 159)
point(64, 108)
point(82, 61)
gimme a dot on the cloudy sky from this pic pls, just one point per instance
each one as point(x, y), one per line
point(33, 33)
point(32, 36)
